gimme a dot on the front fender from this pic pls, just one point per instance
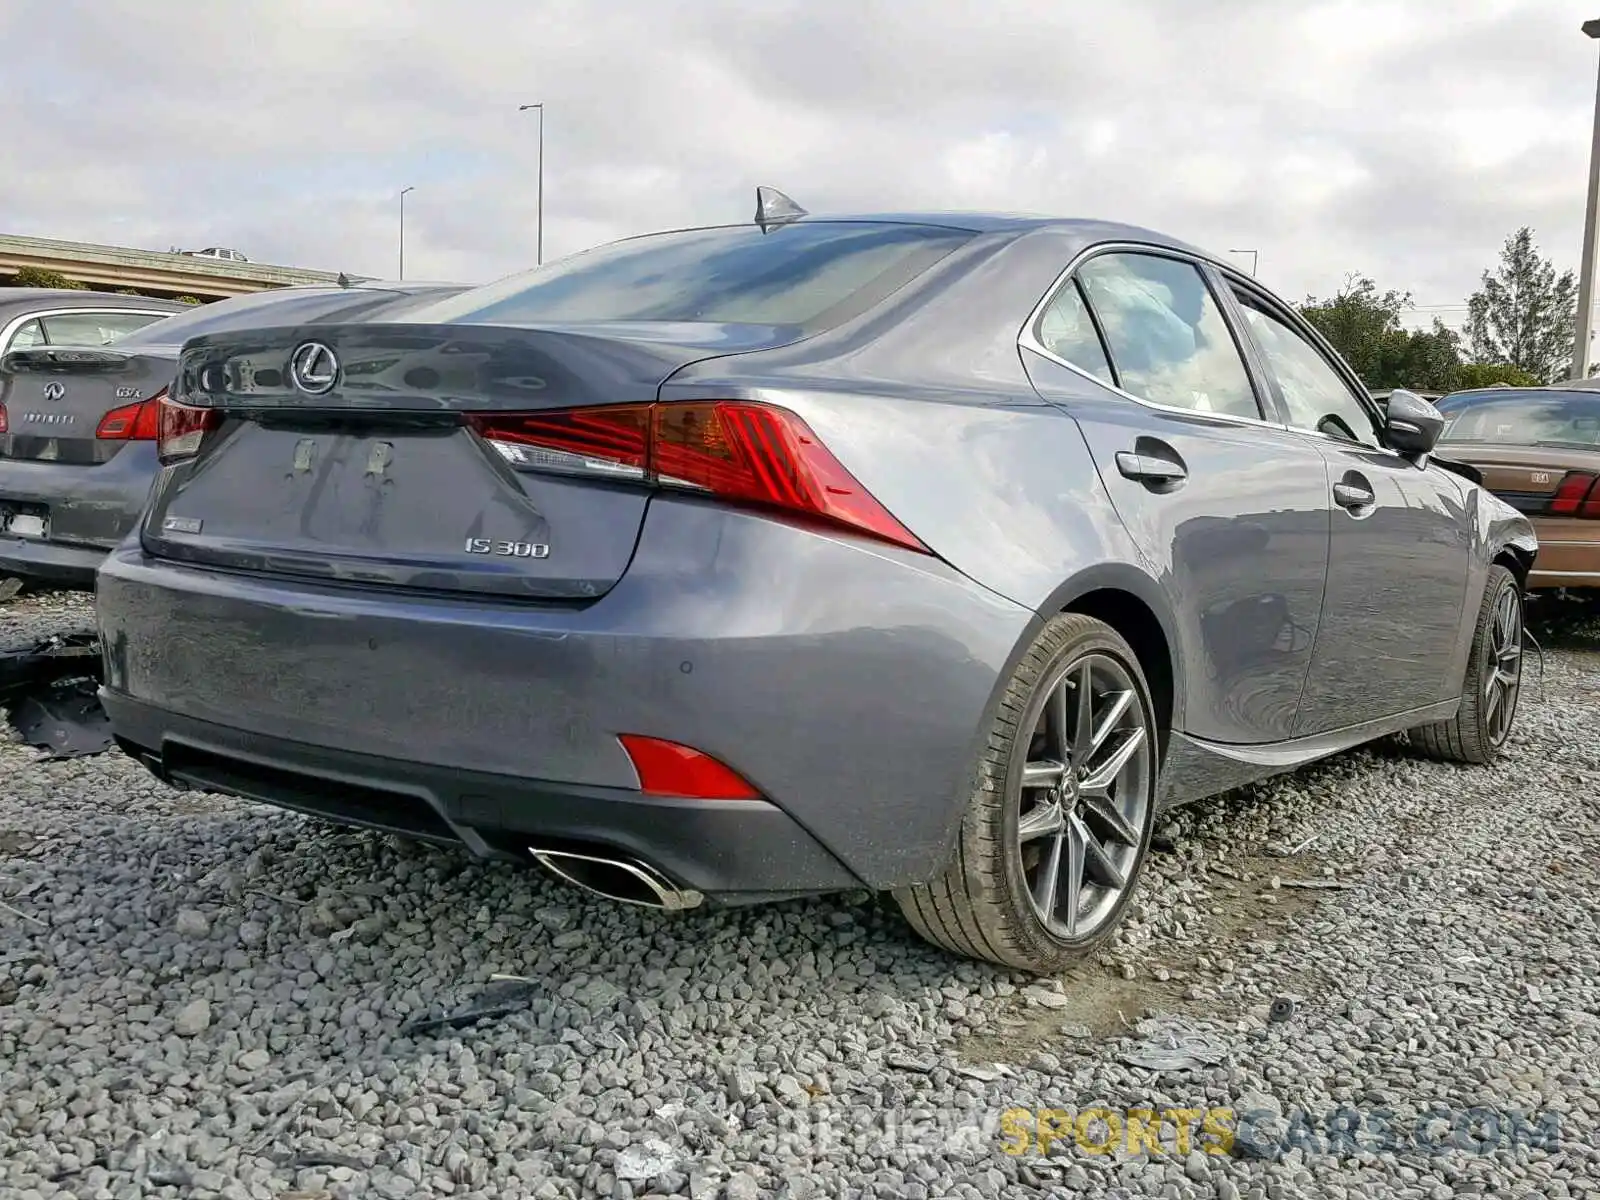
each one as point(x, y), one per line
point(1495, 529)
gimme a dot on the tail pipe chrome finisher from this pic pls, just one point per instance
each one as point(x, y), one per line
point(621, 879)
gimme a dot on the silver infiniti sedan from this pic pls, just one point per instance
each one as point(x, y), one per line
point(78, 424)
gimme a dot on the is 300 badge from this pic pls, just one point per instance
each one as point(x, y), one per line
point(508, 549)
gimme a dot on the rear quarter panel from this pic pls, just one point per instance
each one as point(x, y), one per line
point(1007, 494)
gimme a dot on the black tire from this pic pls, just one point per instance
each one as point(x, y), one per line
point(1476, 735)
point(979, 906)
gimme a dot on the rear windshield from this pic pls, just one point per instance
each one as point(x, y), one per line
point(1527, 420)
point(264, 309)
point(809, 274)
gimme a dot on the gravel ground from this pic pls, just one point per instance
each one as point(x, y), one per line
point(200, 997)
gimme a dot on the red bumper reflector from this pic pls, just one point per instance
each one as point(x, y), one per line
point(668, 769)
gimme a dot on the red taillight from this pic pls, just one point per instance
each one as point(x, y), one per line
point(139, 422)
point(3, 426)
point(737, 451)
point(668, 769)
point(182, 428)
point(1569, 495)
point(1591, 506)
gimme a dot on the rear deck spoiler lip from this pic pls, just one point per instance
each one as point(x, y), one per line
point(64, 359)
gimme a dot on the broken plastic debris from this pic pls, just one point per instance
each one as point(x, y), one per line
point(1169, 1046)
point(49, 689)
point(500, 999)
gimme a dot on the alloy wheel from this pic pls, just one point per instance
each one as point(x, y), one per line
point(1083, 795)
point(1502, 679)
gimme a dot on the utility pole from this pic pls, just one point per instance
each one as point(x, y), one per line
point(403, 192)
point(1585, 317)
point(538, 254)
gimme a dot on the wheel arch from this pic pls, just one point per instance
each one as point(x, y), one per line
point(1516, 558)
point(1129, 601)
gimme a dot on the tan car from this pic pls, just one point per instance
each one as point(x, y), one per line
point(1539, 451)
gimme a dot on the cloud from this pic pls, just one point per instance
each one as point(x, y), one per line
point(1401, 139)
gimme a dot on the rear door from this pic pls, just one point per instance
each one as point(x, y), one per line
point(1230, 512)
point(1400, 553)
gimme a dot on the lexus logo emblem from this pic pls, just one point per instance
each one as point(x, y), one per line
point(313, 368)
point(54, 390)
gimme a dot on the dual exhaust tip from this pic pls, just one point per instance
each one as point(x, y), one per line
point(626, 880)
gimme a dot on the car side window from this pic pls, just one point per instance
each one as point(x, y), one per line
point(1169, 342)
point(1315, 395)
point(1067, 330)
point(28, 335)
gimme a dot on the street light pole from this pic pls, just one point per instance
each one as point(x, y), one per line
point(538, 254)
point(1585, 317)
point(1255, 257)
point(403, 192)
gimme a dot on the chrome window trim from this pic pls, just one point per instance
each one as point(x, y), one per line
point(16, 323)
point(1029, 338)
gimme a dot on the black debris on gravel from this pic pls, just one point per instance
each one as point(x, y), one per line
point(50, 691)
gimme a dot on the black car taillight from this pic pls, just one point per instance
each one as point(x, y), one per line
point(749, 454)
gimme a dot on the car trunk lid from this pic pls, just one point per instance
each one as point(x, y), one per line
point(350, 453)
point(1537, 480)
point(57, 400)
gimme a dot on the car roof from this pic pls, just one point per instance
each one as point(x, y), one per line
point(1478, 395)
point(1080, 232)
point(1086, 230)
point(17, 299)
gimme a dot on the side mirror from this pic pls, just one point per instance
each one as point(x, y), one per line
point(1411, 425)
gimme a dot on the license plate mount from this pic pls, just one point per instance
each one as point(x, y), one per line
point(26, 525)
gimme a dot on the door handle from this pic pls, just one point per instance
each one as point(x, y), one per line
point(1351, 495)
point(1149, 469)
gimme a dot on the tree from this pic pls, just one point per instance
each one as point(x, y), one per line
point(1364, 326)
point(187, 299)
point(1482, 375)
point(39, 277)
point(1522, 316)
point(1430, 360)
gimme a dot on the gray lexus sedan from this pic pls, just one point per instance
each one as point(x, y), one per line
point(78, 424)
point(928, 553)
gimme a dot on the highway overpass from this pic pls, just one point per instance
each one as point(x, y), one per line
point(149, 272)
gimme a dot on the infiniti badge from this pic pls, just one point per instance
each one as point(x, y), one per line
point(313, 368)
point(54, 390)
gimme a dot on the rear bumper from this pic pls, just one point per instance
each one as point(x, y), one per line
point(1569, 553)
point(850, 683)
point(50, 562)
point(733, 850)
point(90, 510)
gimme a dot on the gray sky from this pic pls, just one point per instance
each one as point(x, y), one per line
point(1405, 139)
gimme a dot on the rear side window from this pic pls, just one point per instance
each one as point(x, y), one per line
point(1067, 331)
point(810, 274)
point(1169, 341)
point(28, 335)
